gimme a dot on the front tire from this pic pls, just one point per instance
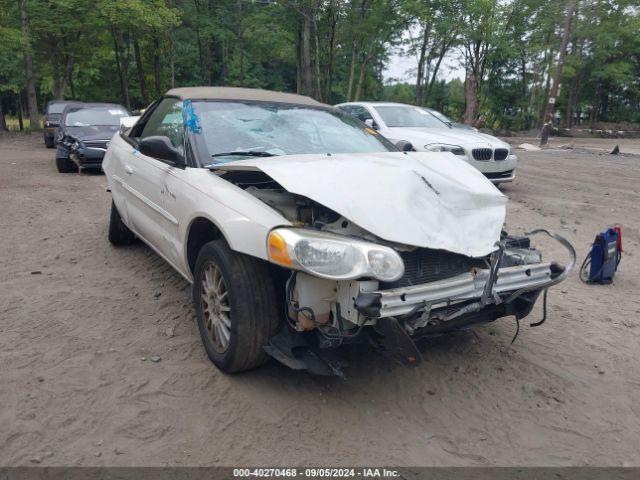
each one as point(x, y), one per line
point(236, 310)
point(119, 233)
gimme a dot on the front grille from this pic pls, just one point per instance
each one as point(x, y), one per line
point(505, 174)
point(482, 154)
point(424, 265)
point(500, 153)
point(96, 143)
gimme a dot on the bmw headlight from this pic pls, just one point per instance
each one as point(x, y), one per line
point(332, 256)
point(443, 147)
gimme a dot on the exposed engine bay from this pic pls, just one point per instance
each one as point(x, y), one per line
point(440, 291)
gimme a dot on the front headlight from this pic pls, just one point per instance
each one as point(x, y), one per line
point(332, 256)
point(443, 147)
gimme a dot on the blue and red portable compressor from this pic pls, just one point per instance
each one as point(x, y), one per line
point(604, 257)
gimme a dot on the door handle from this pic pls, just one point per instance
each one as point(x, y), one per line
point(128, 169)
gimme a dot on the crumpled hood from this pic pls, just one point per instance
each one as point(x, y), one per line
point(96, 132)
point(430, 200)
point(455, 136)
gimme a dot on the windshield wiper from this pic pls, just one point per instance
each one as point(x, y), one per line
point(244, 154)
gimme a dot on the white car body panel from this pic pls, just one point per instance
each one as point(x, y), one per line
point(430, 200)
point(468, 140)
point(159, 202)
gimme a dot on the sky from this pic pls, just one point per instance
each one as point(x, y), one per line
point(402, 67)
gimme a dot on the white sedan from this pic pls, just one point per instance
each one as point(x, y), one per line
point(302, 230)
point(427, 132)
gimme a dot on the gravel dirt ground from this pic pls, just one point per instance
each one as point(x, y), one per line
point(81, 321)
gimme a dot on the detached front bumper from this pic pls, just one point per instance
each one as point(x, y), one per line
point(396, 318)
point(467, 293)
point(88, 157)
point(446, 293)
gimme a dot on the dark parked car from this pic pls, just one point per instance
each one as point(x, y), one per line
point(84, 133)
point(52, 115)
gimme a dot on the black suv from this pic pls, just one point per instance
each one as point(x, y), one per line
point(84, 134)
point(52, 115)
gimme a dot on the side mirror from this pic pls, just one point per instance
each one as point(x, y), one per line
point(371, 123)
point(161, 148)
point(404, 146)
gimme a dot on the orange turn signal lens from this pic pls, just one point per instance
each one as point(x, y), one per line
point(278, 251)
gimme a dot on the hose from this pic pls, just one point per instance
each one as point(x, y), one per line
point(565, 273)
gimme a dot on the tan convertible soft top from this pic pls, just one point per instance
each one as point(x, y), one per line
point(233, 93)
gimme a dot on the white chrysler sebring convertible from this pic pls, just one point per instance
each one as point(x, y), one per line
point(428, 132)
point(302, 230)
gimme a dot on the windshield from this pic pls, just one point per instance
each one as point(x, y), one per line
point(233, 130)
point(407, 116)
point(56, 107)
point(86, 117)
point(440, 116)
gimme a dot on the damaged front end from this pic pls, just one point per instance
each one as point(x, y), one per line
point(439, 293)
point(347, 284)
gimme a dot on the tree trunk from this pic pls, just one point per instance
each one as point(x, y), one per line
point(203, 66)
point(241, 41)
point(443, 52)
point(172, 53)
point(32, 100)
point(593, 116)
point(352, 71)
point(71, 84)
point(19, 105)
point(362, 76)
point(62, 66)
point(299, 61)
point(551, 102)
point(121, 66)
point(172, 61)
point(568, 112)
point(203, 55)
point(421, 60)
point(157, 72)
point(546, 98)
point(306, 56)
point(68, 71)
point(3, 121)
point(140, 70)
point(318, 95)
point(54, 57)
point(224, 74)
point(332, 45)
point(471, 97)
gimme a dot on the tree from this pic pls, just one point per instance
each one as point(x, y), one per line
point(438, 24)
point(30, 76)
point(333, 50)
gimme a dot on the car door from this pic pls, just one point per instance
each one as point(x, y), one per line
point(151, 183)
